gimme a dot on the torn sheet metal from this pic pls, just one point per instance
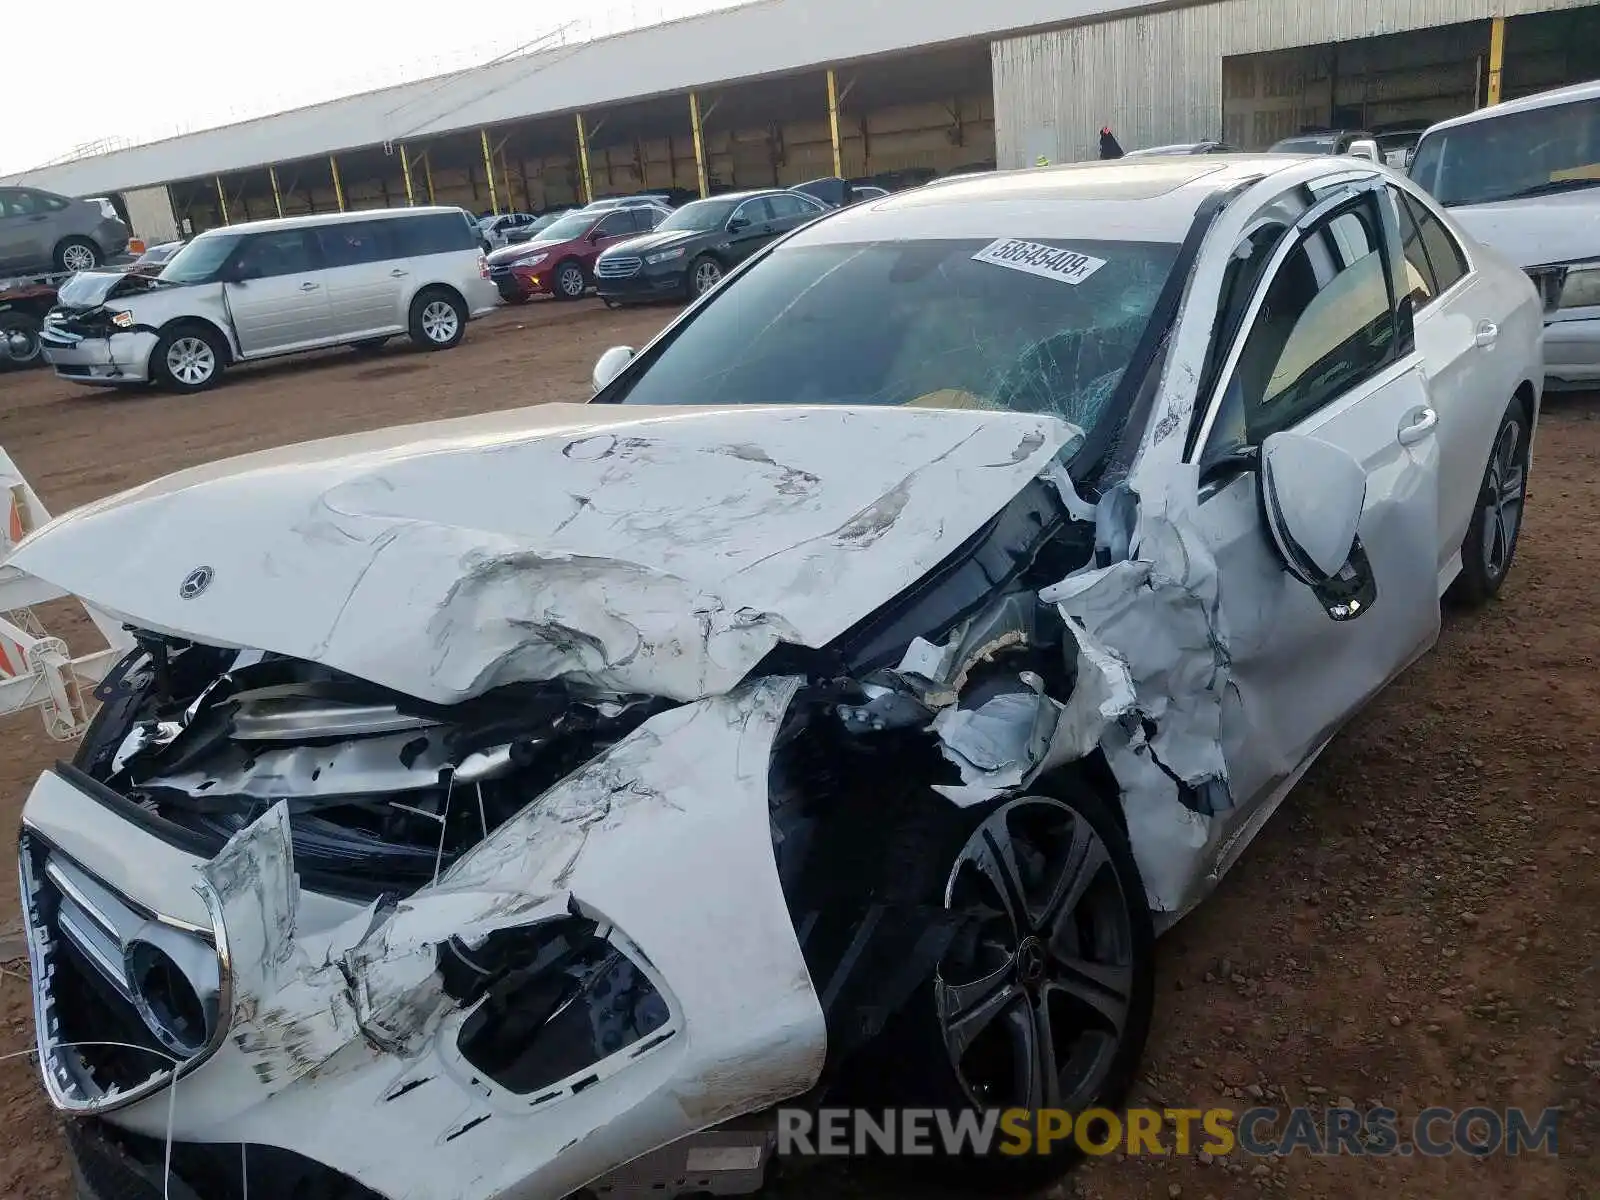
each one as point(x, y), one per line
point(656, 551)
point(353, 1020)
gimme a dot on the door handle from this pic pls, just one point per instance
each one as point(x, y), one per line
point(397, 273)
point(309, 287)
point(1488, 331)
point(1418, 424)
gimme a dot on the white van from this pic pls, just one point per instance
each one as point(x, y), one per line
point(1524, 178)
point(267, 288)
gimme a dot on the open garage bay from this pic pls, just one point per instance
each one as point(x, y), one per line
point(1415, 927)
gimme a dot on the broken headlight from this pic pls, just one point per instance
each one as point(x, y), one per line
point(553, 1000)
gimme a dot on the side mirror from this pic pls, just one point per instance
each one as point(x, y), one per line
point(596, 235)
point(738, 223)
point(1312, 493)
point(610, 365)
point(1365, 148)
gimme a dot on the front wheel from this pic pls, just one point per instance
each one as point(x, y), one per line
point(188, 358)
point(704, 274)
point(1491, 541)
point(19, 341)
point(1044, 1000)
point(438, 320)
point(569, 281)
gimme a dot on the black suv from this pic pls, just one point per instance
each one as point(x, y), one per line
point(689, 252)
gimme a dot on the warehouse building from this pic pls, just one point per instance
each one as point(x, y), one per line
point(780, 91)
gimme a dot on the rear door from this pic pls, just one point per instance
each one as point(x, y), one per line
point(24, 232)
point(790, 212)
point(1324, 349)
point(279, 301)
point(365, 278)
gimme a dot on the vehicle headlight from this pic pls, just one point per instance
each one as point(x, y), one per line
point(531, 260)
point(664, 256)
point(122, 320)
point(1581, 288)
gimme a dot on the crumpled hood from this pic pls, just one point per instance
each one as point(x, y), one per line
point(90, 289)
point(1562, 227)
point(660, 551)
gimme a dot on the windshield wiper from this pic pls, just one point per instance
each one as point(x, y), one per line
point(1545, 189)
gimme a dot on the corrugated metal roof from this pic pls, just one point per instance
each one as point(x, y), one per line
point(769, 37)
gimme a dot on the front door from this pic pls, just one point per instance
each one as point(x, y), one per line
point(278, 297)
point(750, 227)
point(1324, 350)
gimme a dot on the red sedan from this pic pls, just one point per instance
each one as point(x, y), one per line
point(559, 260)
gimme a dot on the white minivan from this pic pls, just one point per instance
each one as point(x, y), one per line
point(1524, 178)
point(268, 288)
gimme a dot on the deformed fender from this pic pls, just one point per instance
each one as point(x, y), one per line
point(672, 820)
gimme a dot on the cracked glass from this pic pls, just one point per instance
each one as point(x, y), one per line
point(917, 323)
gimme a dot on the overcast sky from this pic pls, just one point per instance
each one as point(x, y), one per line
point(161, 69)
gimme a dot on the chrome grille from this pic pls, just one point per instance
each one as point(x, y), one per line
point(618, 268)
point(105, 1038)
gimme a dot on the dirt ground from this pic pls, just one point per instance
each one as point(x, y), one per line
point(1416, 926)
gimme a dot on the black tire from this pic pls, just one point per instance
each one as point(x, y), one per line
point(1490, 546)
point(704, 274)
point(438, 319)
point(515, 297)
point(370, 345)
point(19, 341)
point(1109, 932)
point(189, 357)
point(77, 254)
point(567, 280)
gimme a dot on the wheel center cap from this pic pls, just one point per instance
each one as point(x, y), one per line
point(1030, 961)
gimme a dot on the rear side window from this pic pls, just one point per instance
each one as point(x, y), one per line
point(430, 233)
point(352, 243)
point(1419, 272)
point(1444, 252)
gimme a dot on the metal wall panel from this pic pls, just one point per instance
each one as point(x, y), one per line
point(1158, 77)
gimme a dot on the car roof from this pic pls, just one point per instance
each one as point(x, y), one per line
point(315, 219)
point(1140, 199)
point(1550, 99)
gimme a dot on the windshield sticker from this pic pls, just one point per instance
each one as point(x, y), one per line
point(1035, 258)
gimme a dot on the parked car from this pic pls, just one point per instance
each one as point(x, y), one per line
point(526, 233)
point(1522, 177)
point(153, 260)
point(41, 231)
point(1396, 146)
point(693, 248)
point(497, 230)
point(641, 200)
point(867, 191)
point(266, 288)
point(1328, 141)
point(1183, 148)
point(559, 261)
point(831, 713)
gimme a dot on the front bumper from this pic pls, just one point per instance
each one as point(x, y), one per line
point(519, 283)
point(120, 357)
point(650, 283)
point(1572, 354)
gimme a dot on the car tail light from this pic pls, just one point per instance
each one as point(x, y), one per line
point(136, 246)
point(483, 265)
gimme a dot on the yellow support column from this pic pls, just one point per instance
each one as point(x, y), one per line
point(405, 169)
point(277, 192)
point(427, 175)
point(488, 171)
point(833, 123)
point(338, 183)
point(1497, 57)
point(222, 199)
point(699, 145)
point(583, 162)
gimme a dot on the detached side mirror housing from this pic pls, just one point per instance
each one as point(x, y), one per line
point(1313, 493)
point(609, 366)
point(1365, 148)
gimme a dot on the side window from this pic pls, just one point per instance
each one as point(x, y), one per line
point(784, 207)
point(14, 202)
point(616, 223)
point(44, 202)
point(430, 233)
point(757, 211)
point(1419, 273)
point(649, 218)
point(1325, 324)
point(285, 252)
point(354, 243)
point(1444, 252)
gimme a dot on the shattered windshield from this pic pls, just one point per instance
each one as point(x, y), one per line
point(1012, 324)
point(1530, 153)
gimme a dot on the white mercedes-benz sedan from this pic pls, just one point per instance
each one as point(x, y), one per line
point(833, 707)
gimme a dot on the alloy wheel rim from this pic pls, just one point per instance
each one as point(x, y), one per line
point(1502, 500)
point(1033, 1004)
point(77, 258)
point(191, 361)
point(439, 321)
point(572, 281)
point(706, 276)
